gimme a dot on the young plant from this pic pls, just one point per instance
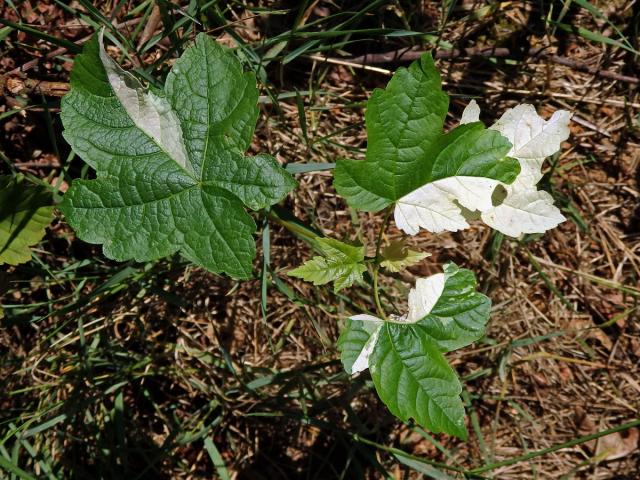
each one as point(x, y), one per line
point(405, 353)
point(171, 176)
point(437, 181)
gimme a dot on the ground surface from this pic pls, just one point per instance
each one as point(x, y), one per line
point(165, 371)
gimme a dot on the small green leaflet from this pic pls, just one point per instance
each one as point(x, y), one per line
point(409, 152)
point(340, 263)
point(405, 354)
point(397, 256)
point(170, 165)
point(25, 213)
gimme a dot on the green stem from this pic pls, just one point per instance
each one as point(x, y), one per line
point(287, 219)
point(376, 266)
point(295, 226)
point(402, 453)
point(376, 295)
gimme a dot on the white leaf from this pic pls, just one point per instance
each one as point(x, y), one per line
point(436, 206)
point(433, 206)
point(531, 136)
point(524, 211)
point(362, 362)
point(471, 113)
point(424, 296)
point(530, 173)
point(365, 317)
point(150, 113)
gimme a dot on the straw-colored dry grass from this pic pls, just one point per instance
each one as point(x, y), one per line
point(562, 354)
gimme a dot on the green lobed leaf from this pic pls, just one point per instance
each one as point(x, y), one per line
point(170, 165)
point(25, 212)
point(405, 354)
point(414, 380)
point(407, 147)
point(397, 256)
point(340, 263)
point(460, 315)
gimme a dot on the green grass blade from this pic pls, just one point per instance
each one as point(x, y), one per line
point(555, 448)
point(217, 459)
point(595, 37)
point(60, 42)
point(14, 469)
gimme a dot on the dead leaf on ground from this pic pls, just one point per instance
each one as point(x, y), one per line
point(614, 446)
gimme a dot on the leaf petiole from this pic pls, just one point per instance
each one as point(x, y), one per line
point(376, 295)
point(376, 265)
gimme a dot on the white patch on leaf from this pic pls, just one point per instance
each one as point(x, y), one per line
point(424, 296)
point(471, 113)
point(533, 137)
point(433, 206)
point(422, 299)
point(525, 209)
point(150, 113)
point(362, 362)
point(530, 173)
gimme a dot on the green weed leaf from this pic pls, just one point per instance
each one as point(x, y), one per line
point(340, 263)
point(415, 381)
point(407, 148)
point(25, 213)
point(405, 354)
point(170, 165)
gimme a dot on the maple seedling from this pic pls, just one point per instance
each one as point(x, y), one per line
point(172, 176)
point(438, 181)
point(405, 353)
